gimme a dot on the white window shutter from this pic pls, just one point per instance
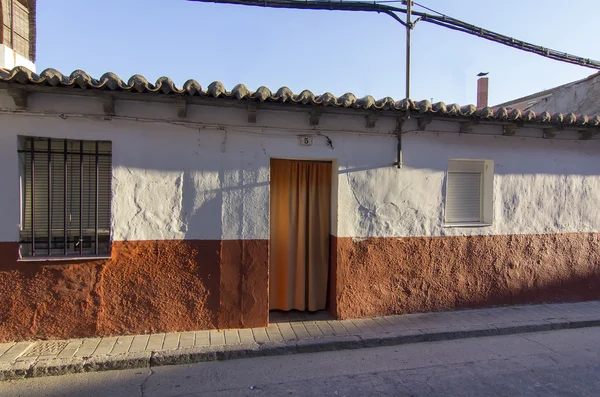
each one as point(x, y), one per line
point(463, 197)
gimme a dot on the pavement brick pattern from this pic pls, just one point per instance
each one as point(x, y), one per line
point(295, 327)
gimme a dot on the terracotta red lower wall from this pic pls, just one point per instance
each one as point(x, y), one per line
point(244, 284)
point(146, 286)
point(405, 275)
point(162, 286)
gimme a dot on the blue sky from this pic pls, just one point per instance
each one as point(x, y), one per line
point(322, 51)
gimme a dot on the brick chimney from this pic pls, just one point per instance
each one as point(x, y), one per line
point(482, 92)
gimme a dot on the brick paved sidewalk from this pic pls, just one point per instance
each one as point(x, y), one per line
point(55, 357)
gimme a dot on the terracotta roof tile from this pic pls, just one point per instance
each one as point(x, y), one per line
point(165, 86)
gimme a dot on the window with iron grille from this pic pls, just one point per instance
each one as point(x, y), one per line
point(65, 195)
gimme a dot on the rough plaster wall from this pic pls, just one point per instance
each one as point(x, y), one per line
point(184, 182)
point(582, 98)
point(147, 286)
point(539, 187)
point(210, 184)
point(380, 276)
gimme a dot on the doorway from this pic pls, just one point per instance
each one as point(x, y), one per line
point(300, 228)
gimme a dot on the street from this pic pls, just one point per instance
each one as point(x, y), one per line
point(556, 363)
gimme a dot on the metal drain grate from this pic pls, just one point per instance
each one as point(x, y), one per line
point(49, 348)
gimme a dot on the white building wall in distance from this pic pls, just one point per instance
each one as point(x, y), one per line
point(10, 59)
point(187, 182)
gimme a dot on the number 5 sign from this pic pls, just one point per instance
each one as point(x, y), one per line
point(305, 140)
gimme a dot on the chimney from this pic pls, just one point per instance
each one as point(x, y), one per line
point(482, 92)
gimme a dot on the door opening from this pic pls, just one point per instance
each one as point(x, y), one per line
point(300, 230)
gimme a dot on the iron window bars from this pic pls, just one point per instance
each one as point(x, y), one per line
point(66, 191)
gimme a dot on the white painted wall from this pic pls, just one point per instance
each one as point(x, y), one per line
point(10, 59)
point(579, 98)
point(211, 180)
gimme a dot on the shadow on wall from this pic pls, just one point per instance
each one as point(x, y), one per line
point(408, 275)
point(225, 176)
point(243, 262)
point(154, 286)
point(209, 214)
point(217, 151)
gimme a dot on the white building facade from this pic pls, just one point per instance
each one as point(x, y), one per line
point(433, 207)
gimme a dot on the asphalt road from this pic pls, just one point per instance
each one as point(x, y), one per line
point(557, 363)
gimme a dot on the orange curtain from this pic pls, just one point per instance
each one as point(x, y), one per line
point(300, 223)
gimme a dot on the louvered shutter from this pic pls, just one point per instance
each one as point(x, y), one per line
point(77, 241)
point(17, 24)
point(21, 28)
point(6, 26)
point(463, 197)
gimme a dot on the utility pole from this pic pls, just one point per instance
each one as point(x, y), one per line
point(409, 27)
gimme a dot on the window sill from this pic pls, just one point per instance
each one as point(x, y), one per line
point(62, 258)
point(467, 224)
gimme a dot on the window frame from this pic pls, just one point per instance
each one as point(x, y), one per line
point(486, 169)
point(91, 157)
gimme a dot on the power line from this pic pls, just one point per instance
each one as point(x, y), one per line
point(427, 8)
point(440, 20)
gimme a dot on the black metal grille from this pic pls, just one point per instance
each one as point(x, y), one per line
point(66, 190)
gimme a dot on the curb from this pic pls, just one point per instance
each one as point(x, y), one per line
point(72, 365)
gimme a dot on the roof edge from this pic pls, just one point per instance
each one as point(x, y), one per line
point(164, 86)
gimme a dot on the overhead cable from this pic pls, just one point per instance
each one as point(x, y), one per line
point(440, 20)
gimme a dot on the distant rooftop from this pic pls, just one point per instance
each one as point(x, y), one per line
point(527, 102)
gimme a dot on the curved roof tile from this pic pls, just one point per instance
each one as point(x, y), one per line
point(529, 115)
point(284, 94)
point(216, 88)
point(165, 86)
point(570, 118)
point(485, 113)
point(468, 110)
point(327, 99)
point(138, 83)
point(367, 102)
point(192, 87)
point(384, 103)
point(543, 117)
point(514, 115)
point(52, 77)
point(262, 94)
point(439, 107)
point(501, 113)
point(240, 91)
